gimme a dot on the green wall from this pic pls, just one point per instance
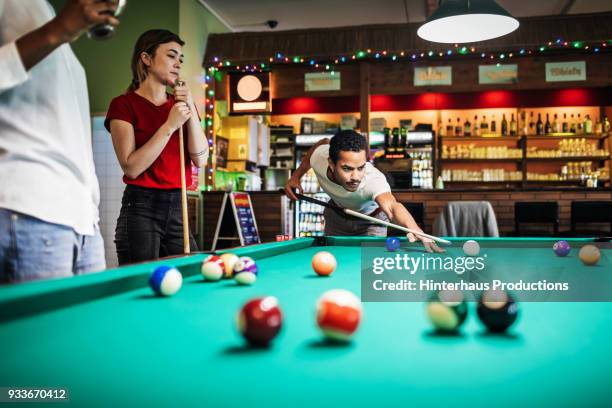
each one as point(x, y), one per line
point(195, 23)
point(107, 63)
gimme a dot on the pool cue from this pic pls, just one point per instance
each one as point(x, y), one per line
point(369, 218)
point(186, 249)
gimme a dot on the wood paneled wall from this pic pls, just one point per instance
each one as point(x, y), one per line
point(330, 42)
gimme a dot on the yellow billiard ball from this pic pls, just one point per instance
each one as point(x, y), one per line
point(589, 255)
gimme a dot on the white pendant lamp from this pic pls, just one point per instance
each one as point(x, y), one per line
point(467, 21)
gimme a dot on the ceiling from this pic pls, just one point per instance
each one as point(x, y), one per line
point(251, 15)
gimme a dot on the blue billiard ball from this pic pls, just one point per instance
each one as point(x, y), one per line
point(561, 248)
point(393, 244)
point(166, 280)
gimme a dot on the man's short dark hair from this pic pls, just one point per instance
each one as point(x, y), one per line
point(346, 141)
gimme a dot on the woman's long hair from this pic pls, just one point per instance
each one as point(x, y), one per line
point(148, 42)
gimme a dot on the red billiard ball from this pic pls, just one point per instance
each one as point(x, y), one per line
point(323, 263)
point(213, 268)
point(260, 320)
point(338, 314)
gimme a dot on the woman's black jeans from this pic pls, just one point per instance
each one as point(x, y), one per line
point(150, 225)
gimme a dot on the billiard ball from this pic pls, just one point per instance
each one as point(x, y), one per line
point(166, 280)
point(213, 268)
point(471, 248)
point(260, 320)
point(323, 263)
point(497, 310)
point(392, 244)
point(229, 260)
point(338, 314)
point(447, 310)
point(589, 255)
point(561, 248)
point(245, 271)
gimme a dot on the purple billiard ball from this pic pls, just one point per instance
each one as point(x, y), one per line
point(245, 271)
point(561, 248)
point(393, 244)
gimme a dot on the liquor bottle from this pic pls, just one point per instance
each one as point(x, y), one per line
point(555, 124)
point(387, 134)
point(449, 128)
point(484, 126)
point(458, 128)
point(564, 127)
point(403, 137)
point(467, 128)
point(598, 127)
point(476, 129)
point(493, 125)
point(539, 125)
point(525, 127)
point(579, 126)
point(547, 126)
point(572, 124)
point(504, 125)
point(588, 125)
point(532, 130)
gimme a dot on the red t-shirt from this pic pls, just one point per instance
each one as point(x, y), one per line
point(147, 118)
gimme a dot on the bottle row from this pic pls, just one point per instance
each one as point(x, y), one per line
point(470, 151)
point(306, 207)
point(481, 175)
point(422, 178)
point(568, 148)
point(309, 182)
point(311, 223)
point(531, 126)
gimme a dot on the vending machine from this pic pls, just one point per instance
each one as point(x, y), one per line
point(407, 161)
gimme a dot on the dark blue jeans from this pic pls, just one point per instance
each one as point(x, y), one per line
point(150, 225)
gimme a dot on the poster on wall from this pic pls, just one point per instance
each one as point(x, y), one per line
point(566, 71)
point(221, 150)
point(249, 94)
point(424, 76)
point(322, 81)
point(498, 74)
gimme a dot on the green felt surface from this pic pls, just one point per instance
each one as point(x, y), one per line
point(130, 348)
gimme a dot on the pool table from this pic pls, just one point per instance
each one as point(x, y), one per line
point(109, 341)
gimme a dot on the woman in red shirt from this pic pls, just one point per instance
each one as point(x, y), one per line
point(144, 125)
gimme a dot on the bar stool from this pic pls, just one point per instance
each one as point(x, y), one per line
point(417, 210)
point(538, 212)
point(591, 212)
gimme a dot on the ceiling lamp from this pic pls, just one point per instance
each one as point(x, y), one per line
point(467, 21)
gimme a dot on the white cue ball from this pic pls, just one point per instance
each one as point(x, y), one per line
point(471, 248)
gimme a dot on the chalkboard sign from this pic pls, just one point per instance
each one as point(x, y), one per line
point(243, 210)
point(236, 221)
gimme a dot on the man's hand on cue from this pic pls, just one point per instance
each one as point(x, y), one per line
point(291, 186)
point(430, 246)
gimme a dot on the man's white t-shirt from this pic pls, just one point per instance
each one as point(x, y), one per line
point(46, 160)
point(372, 185)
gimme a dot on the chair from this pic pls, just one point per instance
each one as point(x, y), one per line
point(466, 219)
point(585, 212)
point(536, 212)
